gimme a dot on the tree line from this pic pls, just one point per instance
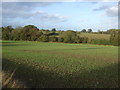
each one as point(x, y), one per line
point(32, 33)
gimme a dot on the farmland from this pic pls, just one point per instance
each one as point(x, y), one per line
point(95, 36)
point(49, 65)
point(59, 44)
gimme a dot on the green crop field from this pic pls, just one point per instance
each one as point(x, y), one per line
point(95, 36)
point(48, 65)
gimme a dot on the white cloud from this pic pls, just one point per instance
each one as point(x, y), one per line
point(22, 9)
point(99, 0)
point(112, 11)
point(110, 0)
point(60, 0)
point(22, 13)
point(104, 7)
point(109, 15)
point(54, 18)
point(111, 22)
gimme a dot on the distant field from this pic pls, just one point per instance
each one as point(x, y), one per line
point(95, 36)
point(91, 36)
point(45, 65)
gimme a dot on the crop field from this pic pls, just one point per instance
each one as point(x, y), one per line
point(50, 65)
point(95, 36)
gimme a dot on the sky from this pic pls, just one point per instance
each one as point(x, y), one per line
point(61, 15)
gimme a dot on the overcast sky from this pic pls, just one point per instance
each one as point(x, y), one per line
point(61, 15)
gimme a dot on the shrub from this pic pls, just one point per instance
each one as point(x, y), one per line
point(43, 38)
point(29, 33)
point(15, 35)
point(69, 36)
point(115, 38)
point(77, 39)
point(53, 39)
point(60, 39)
point(6, 32)
point(83, 40)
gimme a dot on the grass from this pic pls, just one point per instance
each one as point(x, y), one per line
point(49, 65)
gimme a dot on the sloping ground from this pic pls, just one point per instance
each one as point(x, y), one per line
point(61, 65)
point(0, 80)
point(8, 80)
point(34, 77)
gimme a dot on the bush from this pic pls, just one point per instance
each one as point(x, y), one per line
point(69, 36)
point(53, 39)
point(115, 38)
point(77, 39)
point(43, 38)
point(60, 39)
point(6, 32)
point(83, 40)
point(29, 33)
point(15, 35)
